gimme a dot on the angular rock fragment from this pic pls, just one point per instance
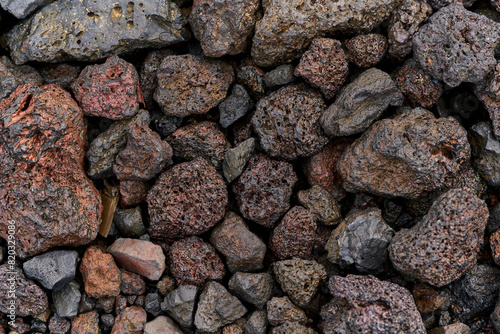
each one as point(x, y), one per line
point(52, 269)
point(322, 204)
point(58, 325)
point(162, 325)
point(488, 92)
point(62, 74)
point(101, 276)
point(280, 76)
point(129, 222)
point(86, 323)
point(236, 159)
point(148, 74)
point(249, 75)
point(133, 192)
point(426, 298)
point(22, 9)
point(67, 300)
point(486, 152)
point(281, 310)
point(366, 50)
point(455, 328)
point(292, 328)
point(235, 106)
point(180, 304)
point(436, 4)
point(11, 76)
point(256, 323)
point(132, 284)
point(253, 288)
point(130, 321)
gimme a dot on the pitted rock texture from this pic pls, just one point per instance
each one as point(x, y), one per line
point(486, 152)
point(101, 277)
point(203, 139)
point(447, 46)
point(287, 122)
point(42, 180)
point(292, 328)
point(488, 92)
point(407, 156)
point(253, 288)
point(321, 204)
point(223, 27)
point(195, 262)
point(22, 9)
point(365, 304)
point(89, 31)
point(324, 66)
point(281, 310)
point(132, 284)
point(361, 103)
point(62, 74)
point(263, 190)
point(133, 192)
point(288, 27)
point(130, 321)
point(188, 199)
point(86, 323)
point(366, 50)
point(191, 85)
point(11, 76)
point(252, 77)
point(148, 74)
point(445, 243)
point(109, 90)
point(436, 4)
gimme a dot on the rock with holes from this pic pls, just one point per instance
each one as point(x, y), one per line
point(92, 30)
point(322, 205)
point(12, 76)
point(445, 243)
point(366, 50)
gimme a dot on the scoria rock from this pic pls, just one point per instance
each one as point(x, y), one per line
point(322, 204)
point(252, 77)
point(101, 277)
point(436, 4)
point(408, 156)
point(488, 92)
point(427, 299)
point(133, 192)
point(281, 310)
point(486, 152)
point(447, 45)
point(292, 328)
point(42, 180)
point(445, 243)
point(11, 76)
point(256, 323)
point(132, 284)
point(147, 74)
point(366, 50)
point(62, 74)
point(88, 31)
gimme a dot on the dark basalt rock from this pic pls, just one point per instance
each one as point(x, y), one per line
point(488, 92)
point(11, 76)
point(486, 152)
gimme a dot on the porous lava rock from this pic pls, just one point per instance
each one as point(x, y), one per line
point(133, 192)
point(188, 199)
point(488, 92)
point(130, 321)
point(86, 323)
point(281, 310)
point(148, 74)
point(445, 243)
point(101, 276)
point(322, 205)
point(366, 50)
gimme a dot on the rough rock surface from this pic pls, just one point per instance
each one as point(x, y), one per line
point(361, 239)
point(427, 299)
point(281, 310)
point(58, 325)
point(236, 159)
point(292, 328)
point(130, 321)
point(88, 31)
point(147, 74)
point(22, 9)
point(252, 77)
point(187, 199)
point(67, 299)
point(366, 304)
point(162, 325)
point(133, 192)
point(288, 27)
point(280, 76)
point(11, 76)
point(202, 139)
point(486, 152)
point(256, 323)
point(180, 304)
point(447, 45)
point(129, 222)
point(253, 288)
point(193, 261)
point(287, 122)
point(436, 4)
point(223, 27)
point(361, 103)
point(445, 243)
point(324, 66)
point(263, 190)
point(190, 85)
point(42, 180)
point(132, 284)
point(235, 106)
point(322, 204)
point(408, 155)
point(366, 50)
point(62, 74)
point(455, 328)
point(488, 92)
point(86, 323)
point(101, 276)
point(109, 90)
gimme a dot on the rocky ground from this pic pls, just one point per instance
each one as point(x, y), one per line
point(229, 166)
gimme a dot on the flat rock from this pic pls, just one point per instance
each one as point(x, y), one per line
point(52, 269)
point(253, 288)
point(180, 304)
point(236, 159)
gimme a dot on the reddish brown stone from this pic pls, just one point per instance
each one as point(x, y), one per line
point(120, 304)
point(58, 325)
point(295, 235)
point(495, 246)
point(109, 90)
point(426, 298)
point(62, 74)
point(130, 321)
point(366, 50)
point(191, 85)
point(195, 262)
point(165, 285)
point(101, 276)
point(133, 192)
point(132, 284)
point(488, 92)
point(324, 66)
point(241, 132)
point(43, 185)
point(86, 323)
point(202, 139)
point(263, 190)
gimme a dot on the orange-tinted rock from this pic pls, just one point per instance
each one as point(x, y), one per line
point(426, 298)
point(86, 323)
point(130, 321)
point(133, 192)
point(366, 50)
point(495, 246)
point(43, 185)
point(101, 276)
point(132, 284)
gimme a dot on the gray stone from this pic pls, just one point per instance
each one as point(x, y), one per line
point(217, 308)
point(108, 321)
point(322, 204)
point(67, 300)
point(256, 323)
point(91, 30)
point(495, 317)
point(456, 328)
point(361, 239)
point(12, 76)
point(280, 76)
point(147, 75)
point(163, 124)
point(86, 303)
point(52, 269)
point(281, 310)
point(486, 153)
point(360, 103)
point(236, 159)
point(253, 288)
point(180, 303)
point(24, 8)
point(292, 328)
point(129, 222)
point(152, 303)
point(493, 223)
point(235, 106)
point(162, 325)
point(105, 304)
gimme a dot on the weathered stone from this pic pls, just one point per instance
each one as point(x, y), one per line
point(86, 323)
point(252, 77)
point(129, 222)
point(133, 192)
point(486, 152)
point(292, 328)
point(52, 269)
point(252, 288)
point(132, 284)
point(162, 325)
point(107, 321)
point(58, 325)
point(236, 159)
point(223, 27)
point(436, 4)
point(256, 323)
point(366, 50)
point(488, 92)
point(281, 310)
point(147, 74)
point(130, 321)
point(22, 9)
point(408, 156)
point(426, 298)
point(361, 103)
point(287, 122)
point(447, 45)
point(369, 305)
point(235, 106)
point(101, 276)
point(180, 304)
point(67, 300)
point(152, 304)
point(280, 76)
point(43, 186)
point(456, 328)
point(62, 74)
point(86, 303)
point(165, 285)
point(188, 199)
point(12, 76)
point(89, 31)
point(322, 205)
point(190, 85)
point(445, 243)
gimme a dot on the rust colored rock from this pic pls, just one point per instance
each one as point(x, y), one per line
point(407, 156)
point(147, 74)
point(12, 76)
point(263, 190)
point(188, 199)
point(495, 246)
point(287, 122)
point(195, 262)
point(130, 321)
point(418, 87)
point(132, 284)
point(86, 323)
point(191, 85)
point(426, 298)
point(445, 243)
point(488, 92)
point(109, 90)
point(101, 276)
point(366, 50)
point(133, 192)
point(203, 139)
point(43, 185)
point(295, 235)
point(324, 66)
point(224, 26)
point(62, 74)
point(144, 156)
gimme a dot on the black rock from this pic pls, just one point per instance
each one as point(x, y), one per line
point(152, 304)
point(234, 106)
point(67, 300)
point(129, 222)
point(52, 269)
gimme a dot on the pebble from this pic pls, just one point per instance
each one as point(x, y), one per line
point(237, 158)
point(280, 76)
point(162, 325)
point(132, 284)
point(52, 269)
point(86, 323)
point(322, 205)
point(67, 300)
point(257, 323)
point(101, 276)
point(254, 288)
point(486, 152)
point(58, 325)
point(281, 310)
point(235, 106)
point(152, 304)
point(130, 321)
point(129, 222)
point(180, 304)
point(366, 50)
